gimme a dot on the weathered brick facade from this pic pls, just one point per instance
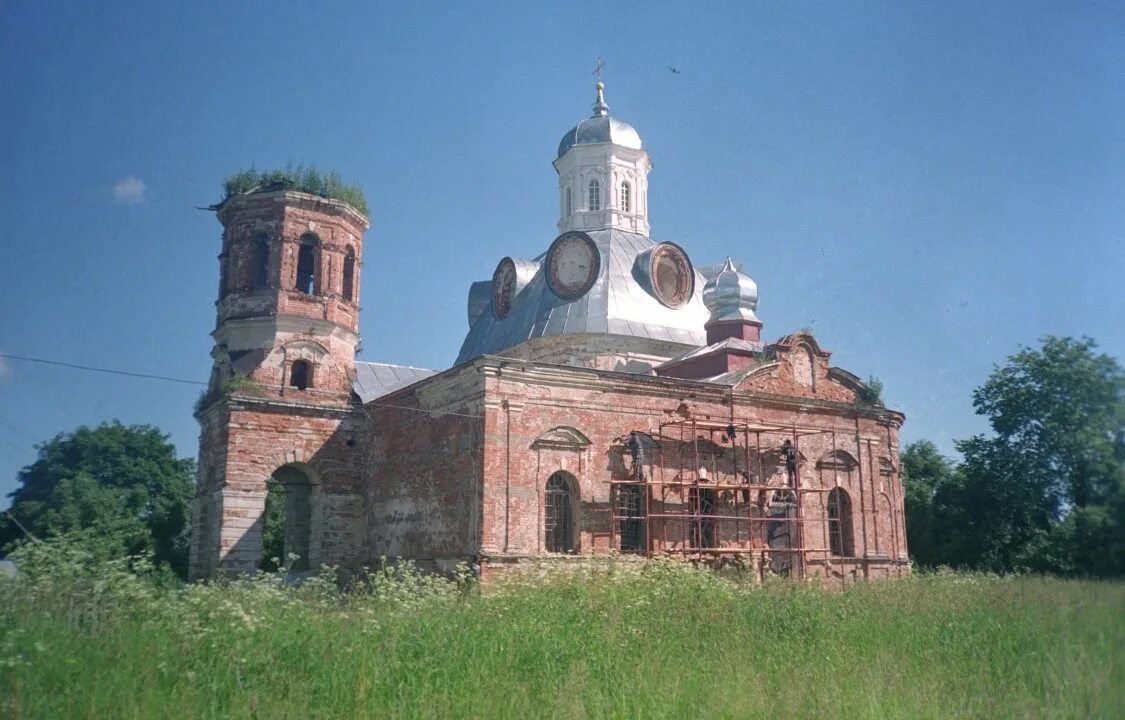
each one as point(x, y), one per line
point(609, 397)
point(254, 420)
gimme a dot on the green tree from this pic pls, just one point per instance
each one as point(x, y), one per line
point(1045, 491)
point(928, 478)
point(121, 488)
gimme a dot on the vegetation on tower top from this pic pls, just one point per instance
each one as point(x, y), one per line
point(300, 178)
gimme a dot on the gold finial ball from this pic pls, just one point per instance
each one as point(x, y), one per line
point(601, 85)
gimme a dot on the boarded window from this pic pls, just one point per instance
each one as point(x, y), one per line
point(559, 513)
point(306, 264)
point(349, 276)
point(300, 375)
point(626, 197)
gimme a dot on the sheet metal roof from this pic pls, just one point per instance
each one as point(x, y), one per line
point(619, 303)
point(374, 380)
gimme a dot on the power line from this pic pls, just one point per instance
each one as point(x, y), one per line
point(165, 378)
point(101, 370)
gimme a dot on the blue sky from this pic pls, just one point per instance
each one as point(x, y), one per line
point(925, 185)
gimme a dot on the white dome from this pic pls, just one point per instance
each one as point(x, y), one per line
point(600, 128)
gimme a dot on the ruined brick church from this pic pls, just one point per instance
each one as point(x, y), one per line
point(609, 396)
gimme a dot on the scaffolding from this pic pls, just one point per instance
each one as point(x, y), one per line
point(672, 502)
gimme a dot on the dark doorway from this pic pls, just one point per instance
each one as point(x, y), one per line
point(703, 529)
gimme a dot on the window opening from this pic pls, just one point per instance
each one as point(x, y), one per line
point(625, 197)
point(594, 201)
point(349, 275)
point(299, 374)
point(630, 503)
point(306, 264)
point(559, 514)
point(569, 203)
point(840, 539)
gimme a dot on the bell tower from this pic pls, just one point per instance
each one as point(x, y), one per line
point(280, 391)
point(288, 313)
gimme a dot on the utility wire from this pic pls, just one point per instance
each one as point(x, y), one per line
point(197, 382)
point(101, 370)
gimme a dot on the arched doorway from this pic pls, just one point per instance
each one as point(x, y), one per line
point(287, 520)
point(781, 531)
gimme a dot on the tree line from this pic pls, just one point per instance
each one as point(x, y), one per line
point(1044, 492)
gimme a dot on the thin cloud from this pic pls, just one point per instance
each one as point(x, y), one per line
point(129, 191)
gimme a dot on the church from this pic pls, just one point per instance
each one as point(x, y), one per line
point(611, 396)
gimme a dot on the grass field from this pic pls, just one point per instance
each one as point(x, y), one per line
point(641, 641)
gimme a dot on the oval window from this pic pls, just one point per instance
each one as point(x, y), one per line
point(673, 278)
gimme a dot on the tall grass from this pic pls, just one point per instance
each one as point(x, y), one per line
point(651, 640)
point(303, 178)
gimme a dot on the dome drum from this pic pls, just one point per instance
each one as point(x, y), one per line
point(510, 278)
point(665, 271)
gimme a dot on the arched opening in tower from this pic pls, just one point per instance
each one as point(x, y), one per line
point(286, 526)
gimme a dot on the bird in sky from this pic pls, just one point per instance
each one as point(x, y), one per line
point(674, 70)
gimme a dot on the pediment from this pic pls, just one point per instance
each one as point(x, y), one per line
point(562, 437)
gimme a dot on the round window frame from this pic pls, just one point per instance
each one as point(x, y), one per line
point(668, 249)
point(595, 270)
point(498, 312)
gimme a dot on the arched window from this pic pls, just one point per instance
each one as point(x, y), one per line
point(300, 374)
point(306, 264)
point(259, 261)
point(559, 513)
point(631, 511)
point(626, 197)
point(349, 275)
point(804, 366)
point(569, 202)
point(837, 468)
point(840, 540)
point(594, 200)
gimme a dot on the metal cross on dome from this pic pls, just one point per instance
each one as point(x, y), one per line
point(598, 69)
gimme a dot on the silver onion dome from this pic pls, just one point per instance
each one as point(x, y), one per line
point(600, 128)
point(731, 295)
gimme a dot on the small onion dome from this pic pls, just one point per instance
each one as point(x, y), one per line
point(731, 295)
point(600, 128)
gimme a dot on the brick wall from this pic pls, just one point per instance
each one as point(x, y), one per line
point(422, 478)
point(526, 403)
